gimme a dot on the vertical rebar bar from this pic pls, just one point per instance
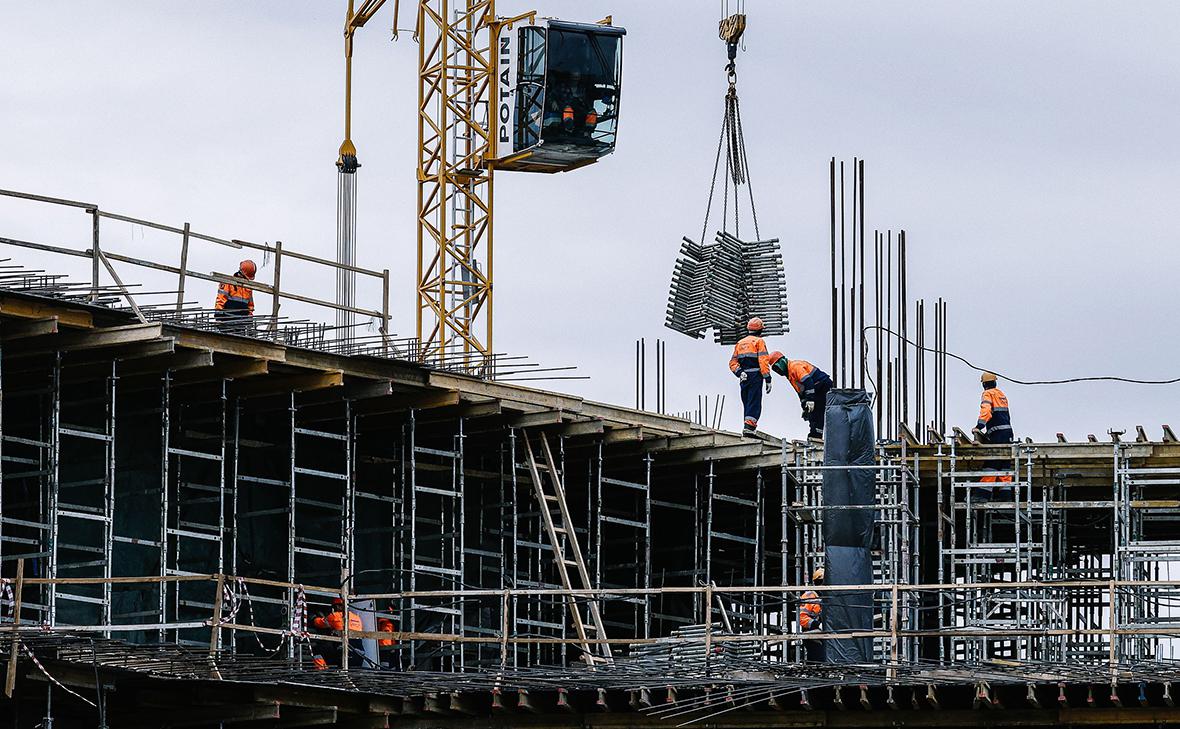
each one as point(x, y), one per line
point(889, 391)
point(878, 384)
point(859, 335)
point(850, 294)
point(832, 230)
point(903, 344)
point(843, 285)
point(642, 373)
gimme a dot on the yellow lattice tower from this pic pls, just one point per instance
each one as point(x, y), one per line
point(457, 77)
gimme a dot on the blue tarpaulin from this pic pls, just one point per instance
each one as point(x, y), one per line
point(848, 533)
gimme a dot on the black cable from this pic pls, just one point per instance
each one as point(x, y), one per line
point(1009, 378)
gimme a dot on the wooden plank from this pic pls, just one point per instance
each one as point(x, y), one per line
point(501, 391)
point(128, 352)
point(12, 307)
point(18, 590)
point(262, 387)
point(24, 329)
point(367, 390)
point(580, 429)
point(651, 421)
point(400, 402)
point(93, 339)
point(370, 367)
point(222, 369)
point(185, 359)
point(225, 344)
point(623, 435)
point(196, 716)
point(690, 442)
point(530, 420)
point(720, 453)
point(296, 716)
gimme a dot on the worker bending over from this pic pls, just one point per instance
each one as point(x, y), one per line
point(811, 619)
point(994, 427)
point(812, 385)
point(333, 624)
point(235, 302)
point(750, 363)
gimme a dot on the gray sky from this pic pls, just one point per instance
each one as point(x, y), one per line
point(1027, 148)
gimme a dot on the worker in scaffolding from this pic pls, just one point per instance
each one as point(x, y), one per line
point(812, 385)
point(386, 645)
point(750, 363)
point(333, 624)
point(811, 619)
point(994, 427)
point(234, 306)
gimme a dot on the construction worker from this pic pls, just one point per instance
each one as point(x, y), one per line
point(750, 363)
point(811, 619)
point(812, 385)
point(994, 427)
point(333, 624)
point(235, 303)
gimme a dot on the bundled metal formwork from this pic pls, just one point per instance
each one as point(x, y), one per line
point(722, 285)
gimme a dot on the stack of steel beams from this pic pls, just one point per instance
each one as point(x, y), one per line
point(723, 284)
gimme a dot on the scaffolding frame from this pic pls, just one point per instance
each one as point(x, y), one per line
point(113, 469)
point(896, 533)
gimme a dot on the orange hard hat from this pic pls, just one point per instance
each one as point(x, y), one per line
point(775, 357)
point(337, 601)
point(248, 268)
point(755, 325)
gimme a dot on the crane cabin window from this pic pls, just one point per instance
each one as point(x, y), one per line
point(568, 85)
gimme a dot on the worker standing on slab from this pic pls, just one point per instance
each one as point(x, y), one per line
point(750, 363)
point(235, 302)
point(811, 619)
point(994, 427)
point(811, 383)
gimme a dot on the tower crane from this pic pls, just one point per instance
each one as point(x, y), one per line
point(556, 111)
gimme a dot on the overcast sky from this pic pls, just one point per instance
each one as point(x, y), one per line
point(1028, 149)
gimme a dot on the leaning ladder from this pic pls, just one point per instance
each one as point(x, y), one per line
point(566, 550)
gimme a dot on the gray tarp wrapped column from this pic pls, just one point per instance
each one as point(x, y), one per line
point(848, 533)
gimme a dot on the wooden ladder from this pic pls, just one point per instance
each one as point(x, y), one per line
point(566, 550)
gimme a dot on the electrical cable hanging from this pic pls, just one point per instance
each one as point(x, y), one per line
point(1001, 375)
point(722, 285)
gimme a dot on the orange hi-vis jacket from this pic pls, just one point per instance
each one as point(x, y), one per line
point(335, 621)
point(385, 625)
point(993, 415)
point(750, 355)
point(234, 298)
point(809, 611)
point(803, 375)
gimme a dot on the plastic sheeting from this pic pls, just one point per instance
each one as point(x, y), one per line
point(848, 533)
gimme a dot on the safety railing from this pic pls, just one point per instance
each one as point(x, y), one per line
point(708, 648)
point(270, 326)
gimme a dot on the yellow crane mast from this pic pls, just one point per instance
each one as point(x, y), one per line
point(470, 123)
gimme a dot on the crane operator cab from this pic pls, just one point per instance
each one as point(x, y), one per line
point(567, 84)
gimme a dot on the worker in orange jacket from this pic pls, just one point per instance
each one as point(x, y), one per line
point(811, 383)
point(750, 363)
point(994, 427)
point(333, 624)
point(235, 302)
point(811, 618)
